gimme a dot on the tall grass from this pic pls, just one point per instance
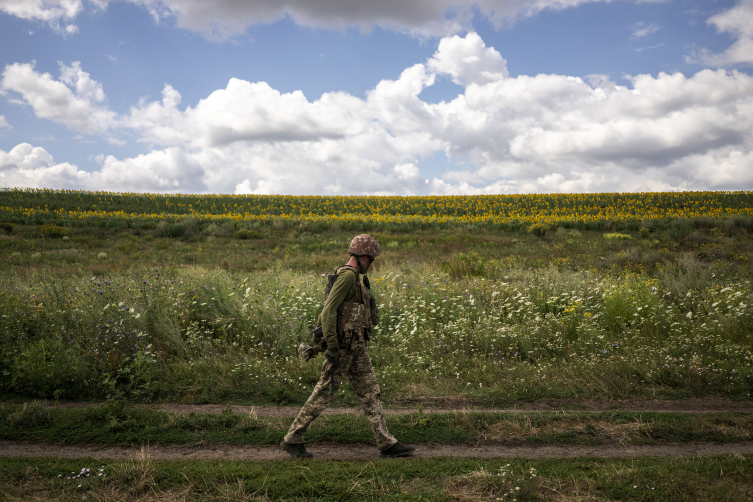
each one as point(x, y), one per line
point(197, 335)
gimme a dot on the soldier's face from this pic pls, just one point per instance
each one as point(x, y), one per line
point(364, 262)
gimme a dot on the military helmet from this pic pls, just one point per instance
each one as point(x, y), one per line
point(364, 244)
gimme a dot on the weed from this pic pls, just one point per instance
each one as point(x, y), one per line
point(53, 231)
point(617, 237)
point(538, 229)
point(32, 414)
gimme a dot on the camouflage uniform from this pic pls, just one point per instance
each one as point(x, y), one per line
point(352, 300)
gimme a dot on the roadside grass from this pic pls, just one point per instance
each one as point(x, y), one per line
point(113, 424)
point(142, 478)
point(196, 335)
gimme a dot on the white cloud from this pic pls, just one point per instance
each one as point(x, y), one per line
point(169, 170)
point(244, 111)
point(503, 134)
point(4, 123)
point(467, 60)
point(642, 29)
point(737, 21)
point(76, 101)
point(33, 167)
point(220, 19)
point(52, 12)
point(649, 48)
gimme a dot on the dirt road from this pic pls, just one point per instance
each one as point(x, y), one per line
point(368, 452)
point(696, 405)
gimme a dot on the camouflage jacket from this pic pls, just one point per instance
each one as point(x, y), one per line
point(351, 302)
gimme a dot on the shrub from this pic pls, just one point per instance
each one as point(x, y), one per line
point(617, 237)
point(53, 231)
point(128, 247)
point(645, 233)
point(6, 227)
point(687, 274)
point(175, 230)
point(465, 264)
point(563, 233)
point(212, 229)
point(538, 229)
point(247, 234)
point(33, 414)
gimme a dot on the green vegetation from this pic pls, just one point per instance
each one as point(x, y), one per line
point(196, 335)
point(618, 236)
point(114, 424)
point(212, 310)
point(680, 479)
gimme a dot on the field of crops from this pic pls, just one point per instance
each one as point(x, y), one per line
point(552, 209)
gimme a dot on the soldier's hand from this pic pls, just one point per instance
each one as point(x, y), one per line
point(332, 353)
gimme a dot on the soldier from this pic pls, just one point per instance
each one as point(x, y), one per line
point(347, 318)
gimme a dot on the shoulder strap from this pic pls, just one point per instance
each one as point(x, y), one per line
point(333, 277)
point(352, 269)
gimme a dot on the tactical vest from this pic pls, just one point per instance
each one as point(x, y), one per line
point(352, 315)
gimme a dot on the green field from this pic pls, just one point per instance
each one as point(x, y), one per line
point(487, 302)
point(489, 315)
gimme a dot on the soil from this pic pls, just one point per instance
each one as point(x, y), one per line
point(367, 452)
point(694, 405)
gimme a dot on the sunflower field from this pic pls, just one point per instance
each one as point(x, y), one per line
point(550, 209)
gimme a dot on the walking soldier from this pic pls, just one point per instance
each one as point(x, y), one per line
point(346, 320)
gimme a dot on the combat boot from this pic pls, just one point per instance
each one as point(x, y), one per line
point(397, 450)
point(297, 450)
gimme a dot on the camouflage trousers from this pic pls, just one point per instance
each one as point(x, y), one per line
point(355, 365)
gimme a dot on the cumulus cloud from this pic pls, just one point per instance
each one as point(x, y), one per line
point(169, 170)
point(468, 61)
point(75, 100)
point(33, 167)
point(58, 14)
point(244, 111)
point(221, 19)
point(737, 21)
point(502, 134)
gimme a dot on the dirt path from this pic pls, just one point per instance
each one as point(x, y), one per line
point(368, 452)
point(696, 405)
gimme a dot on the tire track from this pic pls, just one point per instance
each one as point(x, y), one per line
point(692, 406)
point(328, 451)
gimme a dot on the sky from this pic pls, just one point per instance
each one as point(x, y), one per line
point(356, 97)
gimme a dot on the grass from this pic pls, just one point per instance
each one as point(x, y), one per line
point(143, 478)
point(212, 311)
point(197, 335)
point(196, 303)
point(116, 425)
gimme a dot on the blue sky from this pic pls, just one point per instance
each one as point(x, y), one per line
point(442, 97)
